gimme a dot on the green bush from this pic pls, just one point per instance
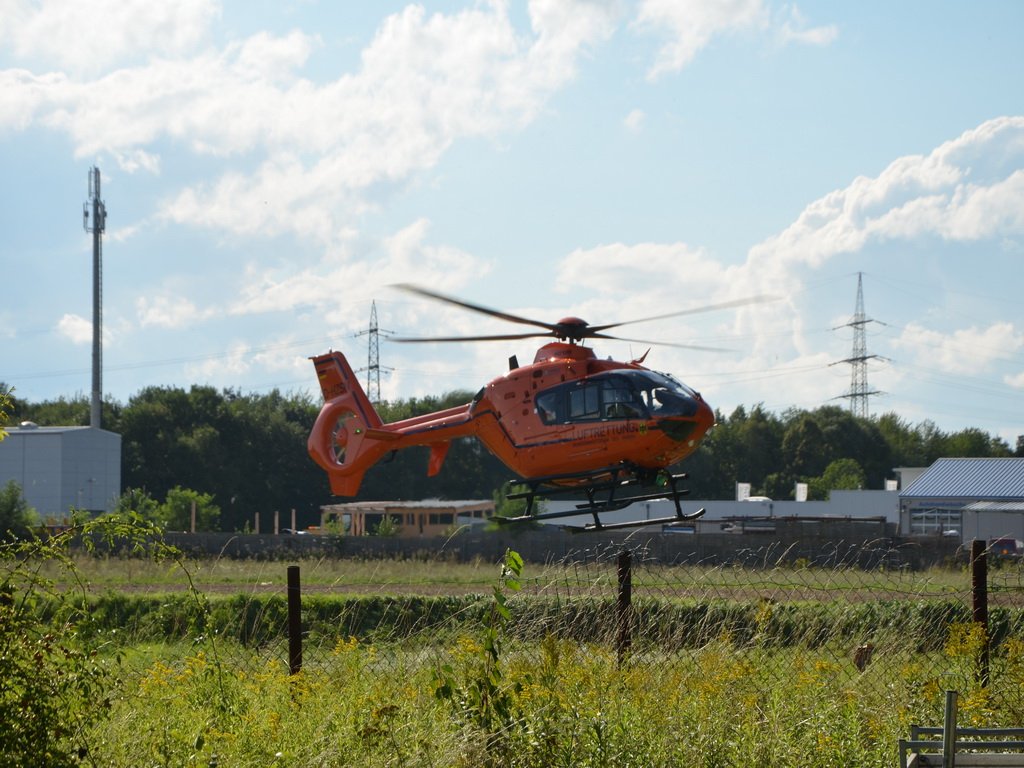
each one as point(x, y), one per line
point(54, 685)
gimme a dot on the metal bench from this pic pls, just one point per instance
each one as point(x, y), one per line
point(953, 747)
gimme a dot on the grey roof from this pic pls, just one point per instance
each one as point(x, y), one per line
point(28, 428)
point(976, 479)
point(996, 506)
point(419, 504)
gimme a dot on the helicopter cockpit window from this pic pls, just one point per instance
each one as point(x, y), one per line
point(664, 395)
point(551, 406)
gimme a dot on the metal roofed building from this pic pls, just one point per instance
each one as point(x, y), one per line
point(430, 517)
point(63, 468)
point(937, 502)
point(994, 521)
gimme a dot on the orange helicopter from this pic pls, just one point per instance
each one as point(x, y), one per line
point(566, 423)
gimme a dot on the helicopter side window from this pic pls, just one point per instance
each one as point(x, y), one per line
point(585, 402)
point(606, 397)
point(620, 401)
point(551, 406)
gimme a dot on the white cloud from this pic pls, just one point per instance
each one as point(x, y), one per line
point(665, 267)
point(78, 329)
point(634, 121)
point(322, 150)
point(967, 189)
point(676, 277)
point(137, 160)
point(265, 58)
point(88, 37)
point(75, 328)
point(404, 257)
point(692, 25)
point(965, 351)
point(169, 312)
point(231, 366)
point(793, 27)
point(123, 234)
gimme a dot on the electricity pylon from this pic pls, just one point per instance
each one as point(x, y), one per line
point(858, 359)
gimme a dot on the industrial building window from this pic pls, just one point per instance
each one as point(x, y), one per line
point(935, 522)
point(441, 518)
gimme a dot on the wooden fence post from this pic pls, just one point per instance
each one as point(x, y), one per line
point(294, 621)
point(979, 599)
point(623, 609)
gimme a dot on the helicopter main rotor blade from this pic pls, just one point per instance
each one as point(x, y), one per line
point(443, 339)
point(474, 307)
point(695, 347)
point(571, 329)
point(692, 311)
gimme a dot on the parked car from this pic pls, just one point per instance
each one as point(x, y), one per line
point(1006, 546)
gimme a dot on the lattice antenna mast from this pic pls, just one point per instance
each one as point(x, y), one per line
point(94, 219)
point(373, 367)
point(858, 359)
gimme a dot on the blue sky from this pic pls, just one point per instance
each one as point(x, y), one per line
point(270, 169)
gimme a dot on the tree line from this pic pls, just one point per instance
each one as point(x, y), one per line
point(237, 454)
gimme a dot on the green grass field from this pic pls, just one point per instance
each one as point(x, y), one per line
point(427, 577)
point(418, 663)
point(553, 703)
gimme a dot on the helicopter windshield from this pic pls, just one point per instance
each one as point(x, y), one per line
point(624, 394)
point(662, 394)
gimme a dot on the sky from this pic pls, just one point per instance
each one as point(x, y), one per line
point(272, 169)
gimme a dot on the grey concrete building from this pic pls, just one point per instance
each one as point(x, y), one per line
point(63, 468)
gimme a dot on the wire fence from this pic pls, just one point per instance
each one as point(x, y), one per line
point(778, 655)
point(808, 653)
point(851, 619)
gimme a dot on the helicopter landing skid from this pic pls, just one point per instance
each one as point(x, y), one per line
point(603, 496)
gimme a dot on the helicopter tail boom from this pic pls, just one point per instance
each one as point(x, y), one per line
point(349, 436)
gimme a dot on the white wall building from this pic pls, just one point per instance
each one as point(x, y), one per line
point(841, 505)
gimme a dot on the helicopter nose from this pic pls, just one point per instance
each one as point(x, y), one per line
point(705, 418)
point(696, 421)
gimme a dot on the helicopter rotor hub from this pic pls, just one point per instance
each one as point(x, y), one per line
point(571, 329)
